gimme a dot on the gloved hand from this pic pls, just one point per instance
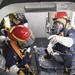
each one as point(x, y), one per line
point(14, 69)
point(49, 48)
point(31, 69)
point(66, 41)
point(53, 39)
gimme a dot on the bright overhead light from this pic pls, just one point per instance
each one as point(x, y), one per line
point(40, 7)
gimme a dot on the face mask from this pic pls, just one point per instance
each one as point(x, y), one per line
point(58, 27)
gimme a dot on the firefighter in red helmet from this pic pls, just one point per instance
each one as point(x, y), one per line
point(17, 50)
point(62, 40)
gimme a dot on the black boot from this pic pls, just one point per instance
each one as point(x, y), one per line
point(47, 56)
point(67, 71)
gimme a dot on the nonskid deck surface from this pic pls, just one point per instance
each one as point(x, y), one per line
point(51, 67)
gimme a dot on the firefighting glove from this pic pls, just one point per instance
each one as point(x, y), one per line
point(66, 41)
point(14, 69)
point(49, 49)
point(31, 69)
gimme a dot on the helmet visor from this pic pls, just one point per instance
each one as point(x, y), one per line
point(27, 43)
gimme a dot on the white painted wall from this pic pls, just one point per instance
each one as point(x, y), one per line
point(37, 23)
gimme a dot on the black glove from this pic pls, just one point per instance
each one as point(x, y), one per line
point(46, 52)
point(47, 56)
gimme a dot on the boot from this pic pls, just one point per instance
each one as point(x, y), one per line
point(47, 56)
point(67, 71)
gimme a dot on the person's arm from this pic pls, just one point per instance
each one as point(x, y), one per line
point(66, 41)
point(25, 60)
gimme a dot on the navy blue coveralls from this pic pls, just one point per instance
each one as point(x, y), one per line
point(12, 58)
point(68, 51)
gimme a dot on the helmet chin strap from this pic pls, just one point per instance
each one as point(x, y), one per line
point(65, 24)
point(19, 45)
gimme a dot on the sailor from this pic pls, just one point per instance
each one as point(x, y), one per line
point(17, 50)
point(12, 19)
point(62, 39)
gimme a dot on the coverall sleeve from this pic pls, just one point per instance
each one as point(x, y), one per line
point(25, 60)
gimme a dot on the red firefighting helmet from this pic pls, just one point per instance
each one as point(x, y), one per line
point(20, 33)
point(61, 15)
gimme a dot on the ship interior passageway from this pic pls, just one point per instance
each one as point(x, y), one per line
point(37, 37)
